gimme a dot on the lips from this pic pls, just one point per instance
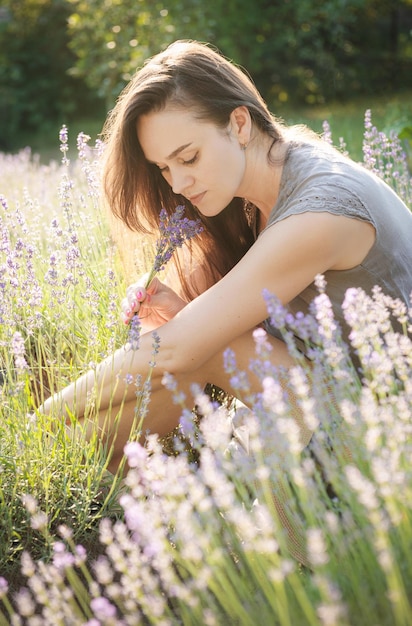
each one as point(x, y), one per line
point(195, 200)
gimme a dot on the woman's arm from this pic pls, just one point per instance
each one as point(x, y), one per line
point(284, 260)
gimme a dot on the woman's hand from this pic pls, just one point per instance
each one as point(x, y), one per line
point(155, 305)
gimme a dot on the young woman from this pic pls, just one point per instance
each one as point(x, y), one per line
point(278, 206)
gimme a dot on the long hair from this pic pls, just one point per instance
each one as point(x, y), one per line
point(193, 76)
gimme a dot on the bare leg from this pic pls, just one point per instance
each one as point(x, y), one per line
point(163, 415)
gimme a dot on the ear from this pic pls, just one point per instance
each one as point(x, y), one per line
point(241, 124)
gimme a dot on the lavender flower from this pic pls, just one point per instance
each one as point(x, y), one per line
point(385, 156)
point(174, 231)
point(4, 586)
point(64, 145)
point(62, 558)
point(134, 334)
point(18, 352)
point(89, 168)
point(102, 608)
point(327, 134)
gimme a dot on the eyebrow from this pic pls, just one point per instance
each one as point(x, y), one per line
point(177, 151)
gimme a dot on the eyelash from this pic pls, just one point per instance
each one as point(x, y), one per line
point(189, 162)
point(192, 160)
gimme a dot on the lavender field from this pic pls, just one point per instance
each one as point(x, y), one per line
point(196, 537)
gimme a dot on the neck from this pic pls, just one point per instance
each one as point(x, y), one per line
point(262, 176)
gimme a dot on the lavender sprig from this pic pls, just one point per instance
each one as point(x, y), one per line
point(174, 231)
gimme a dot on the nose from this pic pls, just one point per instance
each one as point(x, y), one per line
point(181, 181)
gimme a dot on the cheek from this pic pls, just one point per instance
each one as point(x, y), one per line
point(231, 168)
point(228, 162)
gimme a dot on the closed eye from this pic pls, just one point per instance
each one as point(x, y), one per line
point(192, 160)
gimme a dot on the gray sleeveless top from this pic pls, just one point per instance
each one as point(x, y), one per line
point(318, 178)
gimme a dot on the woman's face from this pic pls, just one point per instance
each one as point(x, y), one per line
point(200, 161)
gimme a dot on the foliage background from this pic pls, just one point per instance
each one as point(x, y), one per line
point(68, 59)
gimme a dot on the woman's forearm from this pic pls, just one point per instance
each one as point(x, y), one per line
point(109, 383)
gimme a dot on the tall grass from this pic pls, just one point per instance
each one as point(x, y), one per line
point(245, 527)
point(391, 113)
point(58, 312)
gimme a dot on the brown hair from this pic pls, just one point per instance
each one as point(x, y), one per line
point(187, 75)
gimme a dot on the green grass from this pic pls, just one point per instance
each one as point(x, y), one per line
point(347, 119)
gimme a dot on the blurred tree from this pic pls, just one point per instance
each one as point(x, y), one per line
point(317, 50)
point(292, 48)
point(54, 54)
point(112, 38)
point(35, 89)
point(382, 36)
point(306, 50)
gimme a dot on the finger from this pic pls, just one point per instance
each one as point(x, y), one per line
point(125, 318)
point(129, 306)
point(128, 311)
point(141, 282)
point(135, 292)
point(140, 294)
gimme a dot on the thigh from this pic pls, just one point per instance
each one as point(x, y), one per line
point(244, 348)
point(161, 415)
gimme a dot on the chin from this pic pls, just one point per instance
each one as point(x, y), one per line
point(212, 211)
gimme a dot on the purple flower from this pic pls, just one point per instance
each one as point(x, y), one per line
point(136, 453)
point(174, 231)
point(385, 156)
point(80, 555)
point(18, 351)
point(62, 559)
point(134, 333)
point(24, 602)
point(102, 608)
point(103, 571)
point(327, 134)
point(155, 350)
point(4, 586)
point(82, 147)
point(64, 145)
point(63, 135)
